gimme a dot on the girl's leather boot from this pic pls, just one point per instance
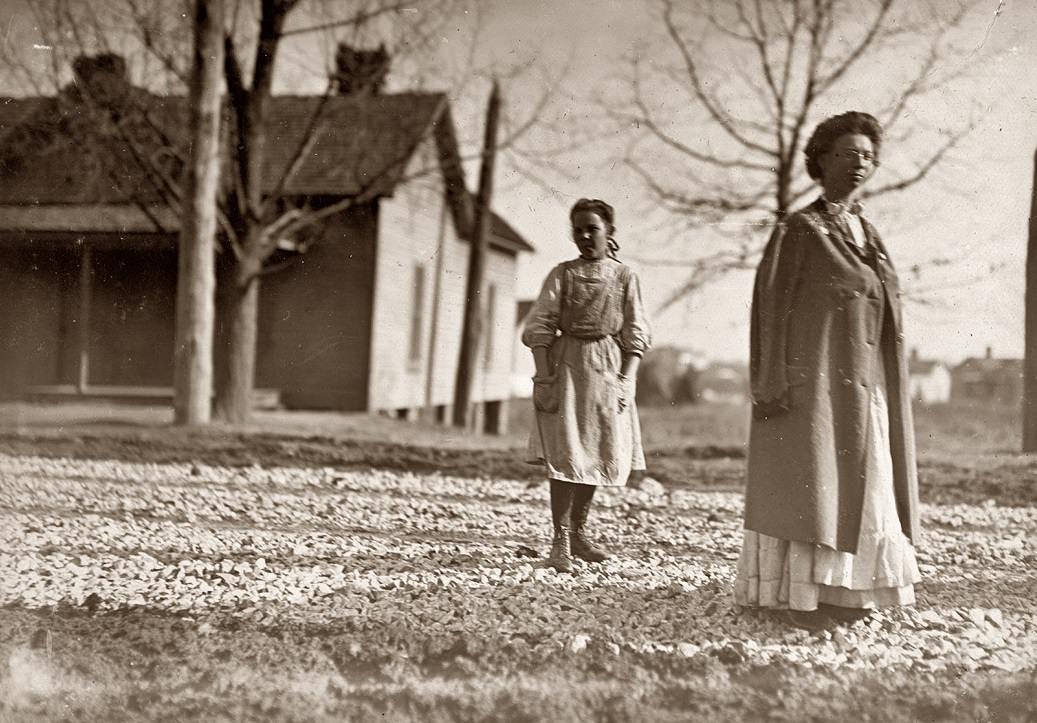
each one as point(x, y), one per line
point(561, 511)
point(580, 544)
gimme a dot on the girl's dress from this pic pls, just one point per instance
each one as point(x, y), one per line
point(777, 573)
point(589, 313)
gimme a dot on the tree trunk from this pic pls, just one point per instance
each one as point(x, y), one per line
point(240, 321)
point(1030, 362)
point(193, 355)
point(783, 192)
point(473, 319)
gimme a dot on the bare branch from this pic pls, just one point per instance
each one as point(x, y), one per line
point(800, 53)
point(708, 269)
point(150, 40)
point(533, 117)
point(758, 33)
point(708, 207)
point(921, 81)
point(517, 161)
point(827, 80)
point(724, 29)
point(355, 20)
point(953, 139)
point(302, 151)
point(238, 94)
point(644, 117)
point(719, 116)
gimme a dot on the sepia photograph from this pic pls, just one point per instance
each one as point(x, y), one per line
point(528, 360)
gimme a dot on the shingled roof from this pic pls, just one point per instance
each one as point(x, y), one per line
point(52, 153)
point(923, 366)
point(356, 142)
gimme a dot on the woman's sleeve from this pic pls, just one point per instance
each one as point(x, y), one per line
point(777, 277)
point(635, 337)
point(542, 321)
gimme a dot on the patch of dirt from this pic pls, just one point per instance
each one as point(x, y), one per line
point(142, 590)
point(149, 665)
point(1009, 479)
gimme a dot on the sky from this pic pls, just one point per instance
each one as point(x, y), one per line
point(973, 210)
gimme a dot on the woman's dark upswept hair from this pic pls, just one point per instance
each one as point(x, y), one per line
point(830, 129)
point(607, 214)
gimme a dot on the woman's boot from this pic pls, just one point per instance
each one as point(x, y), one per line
point(581, 546)
point(561, 509)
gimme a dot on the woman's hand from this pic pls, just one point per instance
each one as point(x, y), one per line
point(626, 390)
point(545, 394)
point(626, 381)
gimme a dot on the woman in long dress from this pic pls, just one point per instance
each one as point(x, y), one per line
point(587, 331)
point(831, 504)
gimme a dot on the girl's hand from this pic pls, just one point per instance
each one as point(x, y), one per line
point(545, 394)
point(626, 390)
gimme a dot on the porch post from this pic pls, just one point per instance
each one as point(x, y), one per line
point(86, 281)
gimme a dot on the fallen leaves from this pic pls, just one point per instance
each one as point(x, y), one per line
point(407, 560)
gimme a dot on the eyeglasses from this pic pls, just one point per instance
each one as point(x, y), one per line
point(866, 156)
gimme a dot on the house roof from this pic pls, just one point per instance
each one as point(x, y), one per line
point(356, 144)
point(923, 366)
point(506, 235)
point(79, 218)
point(357, 141)
point(988, 371)
point(52, 153)
point(986, 365)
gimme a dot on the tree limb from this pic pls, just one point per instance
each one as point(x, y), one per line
point(827, 80)
point(953, 139)
point(719, 116)
point(357, 19)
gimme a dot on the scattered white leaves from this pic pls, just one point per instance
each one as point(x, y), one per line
point(441, 558)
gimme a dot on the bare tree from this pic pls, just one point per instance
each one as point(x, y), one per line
point(255, 214)
point(256, 219)
point(1030, 361)
point(750, 79)
point(196, 277)
point(472, 326)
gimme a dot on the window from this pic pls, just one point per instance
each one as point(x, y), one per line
point(417, 314)
point(490, 316)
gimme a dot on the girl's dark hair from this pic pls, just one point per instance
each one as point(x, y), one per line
point(830, 129)
point(607, 214)
point(596, 205)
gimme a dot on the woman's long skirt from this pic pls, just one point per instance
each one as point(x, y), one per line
point(777, 573)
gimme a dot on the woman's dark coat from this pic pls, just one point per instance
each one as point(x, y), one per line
point(821, 315)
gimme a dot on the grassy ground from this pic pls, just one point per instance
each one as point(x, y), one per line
point(942, 430)
point(967, 453)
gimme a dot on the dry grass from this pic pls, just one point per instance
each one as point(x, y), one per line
point(946, 429)
point(962, 428)
point(953, 429)
point(966, 452)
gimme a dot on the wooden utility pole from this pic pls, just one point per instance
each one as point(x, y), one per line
point(196, 276)
point(1030, 362)
point(480, 236)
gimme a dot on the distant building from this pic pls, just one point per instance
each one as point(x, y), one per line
point(667, 375)
point(723, 382)
point(930, 380)
point(988, 379)
point(365, 317)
